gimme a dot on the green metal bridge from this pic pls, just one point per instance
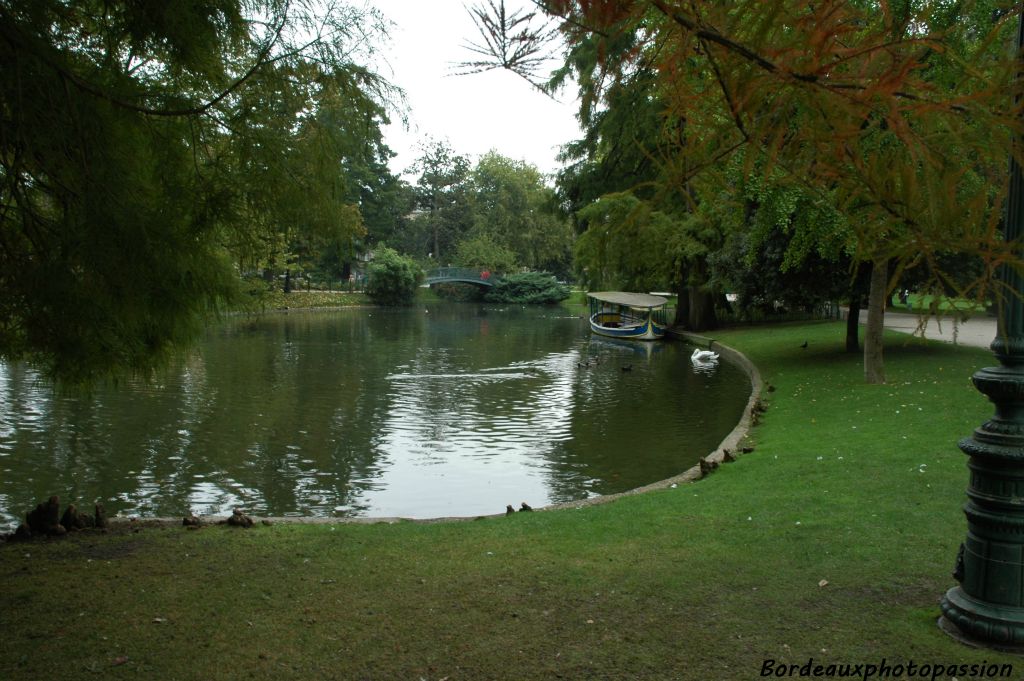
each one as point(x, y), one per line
point(465, 275)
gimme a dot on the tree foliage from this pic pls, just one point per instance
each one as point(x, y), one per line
point(663, 240)
point(514, 208)
point(483, 252)
point(497, 213)
point(626, 246)
point(784, 244)
point(898, 114)
point(148, 149)
point(442, 193)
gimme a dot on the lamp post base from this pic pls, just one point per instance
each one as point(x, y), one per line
point(982, 625)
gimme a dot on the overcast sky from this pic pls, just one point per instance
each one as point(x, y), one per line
point(474, 113)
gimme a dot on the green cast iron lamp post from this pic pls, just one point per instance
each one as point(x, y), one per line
point(987, 608)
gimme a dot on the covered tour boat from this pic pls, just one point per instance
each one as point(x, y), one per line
point(638, 316)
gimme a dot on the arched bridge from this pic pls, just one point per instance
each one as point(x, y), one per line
point(465, 275)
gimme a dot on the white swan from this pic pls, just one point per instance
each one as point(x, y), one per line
point(703, 356)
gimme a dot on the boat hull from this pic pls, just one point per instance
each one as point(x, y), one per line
point(648, 330)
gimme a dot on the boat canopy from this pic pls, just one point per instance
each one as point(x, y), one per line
point(642, 301)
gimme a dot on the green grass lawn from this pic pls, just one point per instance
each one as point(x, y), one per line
point(922, 304)
point(833, 540)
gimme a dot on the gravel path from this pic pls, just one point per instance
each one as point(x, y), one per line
point(978, 331)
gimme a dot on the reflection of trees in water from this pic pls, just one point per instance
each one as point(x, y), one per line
point(75, 445)
point(248, 419)
point(307, 420)
point(631, 428)
point(476, 401)
point(303, 413)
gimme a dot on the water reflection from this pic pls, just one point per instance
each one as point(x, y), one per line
point(370, 412)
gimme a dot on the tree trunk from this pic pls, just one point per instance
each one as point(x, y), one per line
point(874, 368)
point(433, 225)
point(287, 281)
point(702, 315)
point(853, 325)
point(682, 307)
point(723, 302)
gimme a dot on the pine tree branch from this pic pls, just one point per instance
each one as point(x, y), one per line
point(726, 93)
point(508, 42)
point(709, 35)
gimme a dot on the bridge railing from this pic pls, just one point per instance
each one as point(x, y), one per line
point(470, 274)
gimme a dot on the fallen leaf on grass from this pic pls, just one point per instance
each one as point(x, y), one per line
point(823, 582)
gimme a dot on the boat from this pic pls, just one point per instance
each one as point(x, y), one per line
point(634, 316)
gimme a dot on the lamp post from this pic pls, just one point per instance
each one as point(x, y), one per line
point(987, 608)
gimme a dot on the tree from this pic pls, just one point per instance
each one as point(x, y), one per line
point(785, 245)
point(442, 193)
point(146, 149)
point(483, 252)
point(392, 279)
point(625, 246)
point(393, 223)
point(625, 119)
point(513, 207)
point(900, 113)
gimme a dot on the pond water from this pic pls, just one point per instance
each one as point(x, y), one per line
point(451, 410)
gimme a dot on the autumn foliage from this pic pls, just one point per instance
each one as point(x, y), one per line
point(900, 114)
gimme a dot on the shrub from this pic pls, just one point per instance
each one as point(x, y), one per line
point(392, 279)
point(533, 288)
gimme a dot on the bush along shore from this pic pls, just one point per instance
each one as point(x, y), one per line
point(827, 547)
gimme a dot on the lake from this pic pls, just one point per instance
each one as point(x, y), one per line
point(451, 410)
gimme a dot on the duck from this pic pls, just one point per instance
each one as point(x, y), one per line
point(703, 356)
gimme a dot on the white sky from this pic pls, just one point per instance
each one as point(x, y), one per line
point(474, 113)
